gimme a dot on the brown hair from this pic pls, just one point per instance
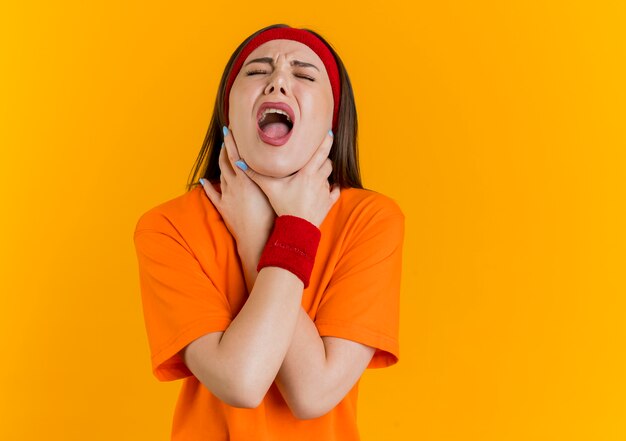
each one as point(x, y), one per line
point(343, 152)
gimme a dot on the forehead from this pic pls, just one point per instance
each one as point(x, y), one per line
point(289, 49)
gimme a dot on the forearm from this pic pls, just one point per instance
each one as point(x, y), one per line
point(306, 350)
point(250, 257)
point(303, 376)
point(304, 379)
point(254, 345)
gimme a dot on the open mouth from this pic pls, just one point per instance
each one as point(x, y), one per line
point(275, 123)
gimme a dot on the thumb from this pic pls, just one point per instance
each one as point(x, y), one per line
point(212, 194)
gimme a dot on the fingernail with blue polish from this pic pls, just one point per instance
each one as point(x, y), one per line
point(225, 130)
point(201, 181)
point(222, 146)
point(242, 165)
point(330, 132)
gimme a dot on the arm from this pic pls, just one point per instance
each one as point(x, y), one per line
point(317, 372)
point(240, 364)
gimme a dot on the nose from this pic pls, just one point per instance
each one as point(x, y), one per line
point(277, 81)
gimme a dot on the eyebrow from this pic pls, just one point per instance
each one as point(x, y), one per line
point(270, 61)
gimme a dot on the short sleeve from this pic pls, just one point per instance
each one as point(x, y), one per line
point(361, 302)
point(180, 302)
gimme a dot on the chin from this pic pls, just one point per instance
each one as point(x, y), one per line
point(273, 171)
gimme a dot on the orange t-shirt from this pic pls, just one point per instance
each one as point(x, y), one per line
point(192, 283)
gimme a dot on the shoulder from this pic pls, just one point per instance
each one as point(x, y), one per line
point(178, 214)
point(368, 204)
point(363, 214)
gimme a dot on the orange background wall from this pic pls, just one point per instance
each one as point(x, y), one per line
point(499, 128)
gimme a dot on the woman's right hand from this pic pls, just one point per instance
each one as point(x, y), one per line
point(307, 193)
point(244, 207)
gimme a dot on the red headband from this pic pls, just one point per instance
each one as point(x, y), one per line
point(294, 34)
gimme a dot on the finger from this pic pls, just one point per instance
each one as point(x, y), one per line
point(261, 180)
point(232, 152)
point(211, 192)
point(320, 154)
point(231, 148)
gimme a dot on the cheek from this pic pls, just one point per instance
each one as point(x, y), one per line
point(235, 108)
point(326, 107)
point(240, 103)
point(319, 109)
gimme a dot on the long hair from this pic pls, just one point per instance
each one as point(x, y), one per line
point(343, 152)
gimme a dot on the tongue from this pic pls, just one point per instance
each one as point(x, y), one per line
point(276, 129)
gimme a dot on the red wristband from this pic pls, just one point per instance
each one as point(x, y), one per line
point(292, 246)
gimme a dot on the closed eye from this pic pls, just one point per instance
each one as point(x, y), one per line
point(254, 72)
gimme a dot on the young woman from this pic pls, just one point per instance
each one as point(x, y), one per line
point(272, 285)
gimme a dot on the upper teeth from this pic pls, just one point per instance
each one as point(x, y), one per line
point(271, 110)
